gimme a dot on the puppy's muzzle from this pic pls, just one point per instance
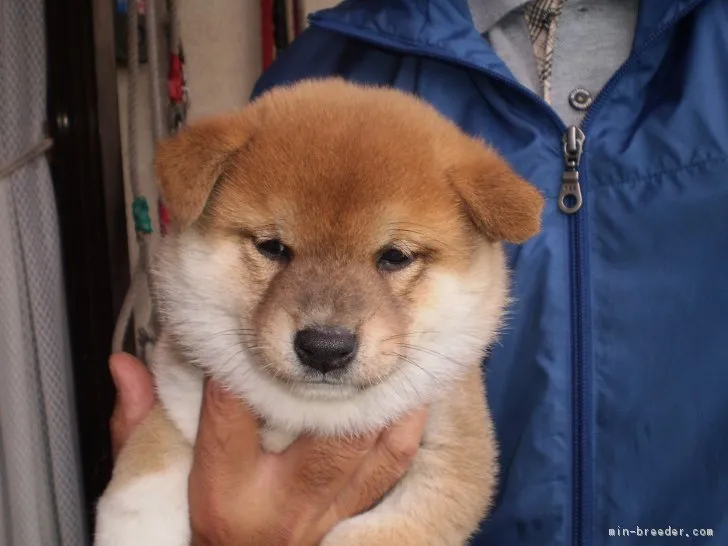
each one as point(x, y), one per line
point(325, 349)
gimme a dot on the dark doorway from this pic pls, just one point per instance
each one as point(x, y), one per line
point(87, 175)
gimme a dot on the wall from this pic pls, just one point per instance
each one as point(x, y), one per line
point(315, 5)
point(222, 47)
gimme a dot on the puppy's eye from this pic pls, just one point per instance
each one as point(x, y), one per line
point(393, 259)
point(273, 249)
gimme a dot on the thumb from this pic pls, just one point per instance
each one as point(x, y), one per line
point(227, 437)
point(134, 396)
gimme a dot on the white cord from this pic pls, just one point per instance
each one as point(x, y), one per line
point(139, 275)
point(154, 73)
point(26, 157)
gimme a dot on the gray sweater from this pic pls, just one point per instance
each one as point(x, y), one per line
point(593, 39)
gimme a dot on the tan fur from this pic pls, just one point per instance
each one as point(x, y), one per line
point(154, 443)
point(442, 499)
point(339, 173)
point(270, 143)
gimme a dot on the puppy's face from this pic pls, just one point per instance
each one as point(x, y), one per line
point(338, 245)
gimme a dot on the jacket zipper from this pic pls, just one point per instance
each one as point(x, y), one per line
point(570, 198)
point(570, 202)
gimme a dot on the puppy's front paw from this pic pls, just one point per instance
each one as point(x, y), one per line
point(374, 530)
point(151, 510)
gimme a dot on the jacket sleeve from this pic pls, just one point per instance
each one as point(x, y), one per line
point(318, 53)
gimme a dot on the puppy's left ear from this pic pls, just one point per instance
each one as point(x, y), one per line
point(502, 205)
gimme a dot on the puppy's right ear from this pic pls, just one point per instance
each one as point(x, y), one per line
point(501, 205)
point(189, 163)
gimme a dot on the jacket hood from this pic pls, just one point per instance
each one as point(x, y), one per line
point(447, 25)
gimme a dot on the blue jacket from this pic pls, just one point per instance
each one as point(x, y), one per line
point(610, 389)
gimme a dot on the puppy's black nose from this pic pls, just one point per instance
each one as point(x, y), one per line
point(325, 349)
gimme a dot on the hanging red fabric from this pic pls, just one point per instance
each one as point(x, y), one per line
point(177, 105)
point(174, 79)
point(266, 29)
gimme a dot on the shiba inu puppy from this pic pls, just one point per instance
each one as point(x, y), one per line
point(337, 262)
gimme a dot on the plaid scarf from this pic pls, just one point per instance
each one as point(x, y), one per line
point(541, 18)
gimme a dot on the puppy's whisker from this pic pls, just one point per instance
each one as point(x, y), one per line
point(275, 373)
point(416, 365)
point(242, 349)
point(431, 352)
point(234, 332)
point(407, 334)
point(408, 379)
point(236, 354)
point(224, 350)
point(426, 371)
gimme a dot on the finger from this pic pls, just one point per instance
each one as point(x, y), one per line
point(225, 454)
point(384, 467)
point(314, 471)
point(227, 438)
point(134, 396)
point(318, 468)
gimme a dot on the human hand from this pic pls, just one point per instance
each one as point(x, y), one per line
point(240, 495)
point(134, 397)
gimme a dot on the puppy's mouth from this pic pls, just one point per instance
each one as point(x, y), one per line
point(327, 379)
point(337, 378)
point(328, 386)
point(333, 385)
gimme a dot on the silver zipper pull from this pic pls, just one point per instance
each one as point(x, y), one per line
point(570, 199)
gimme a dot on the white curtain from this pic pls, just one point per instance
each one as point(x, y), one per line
point(40, 489)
